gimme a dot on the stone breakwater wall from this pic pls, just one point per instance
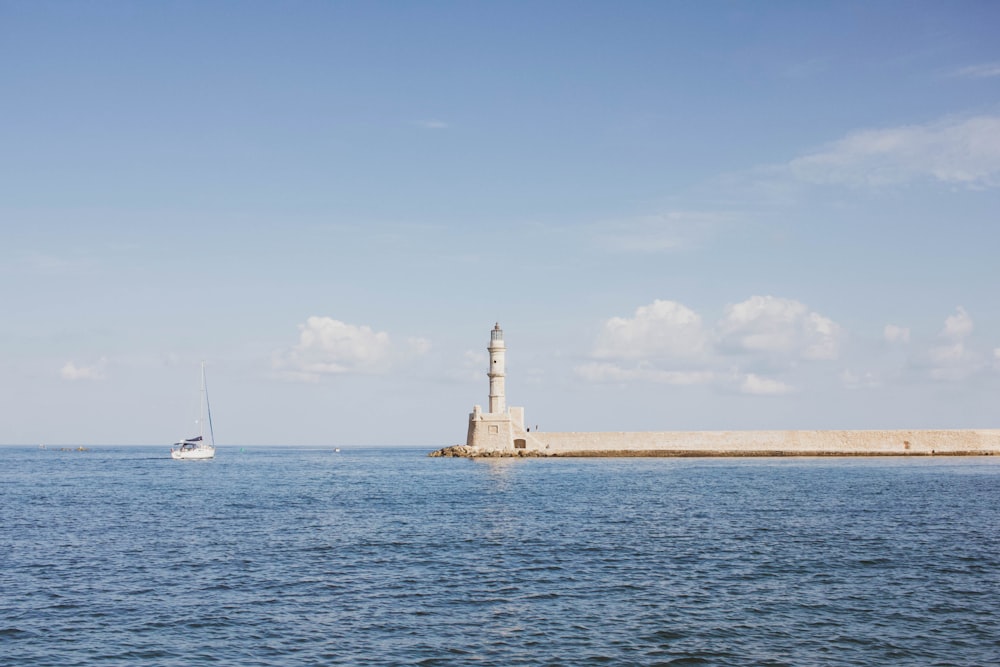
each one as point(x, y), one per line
point(958, 442)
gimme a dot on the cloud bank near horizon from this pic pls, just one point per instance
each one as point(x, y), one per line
point(758, 345)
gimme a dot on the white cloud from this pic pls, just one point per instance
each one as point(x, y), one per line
point(896, 334)
point(769, 337)
point(72, 372)
point(957, 326)
point(952, 356)
point(952, 361)
point(983, 71)
point(964, 152)
point(781, 326)
point(607, 372)
point(760, 386)
point(665, 342)
point(948, 354)
point(674, 230)
point(330, 347)
point(661, 330)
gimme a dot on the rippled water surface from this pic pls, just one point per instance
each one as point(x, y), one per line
point(122, 556)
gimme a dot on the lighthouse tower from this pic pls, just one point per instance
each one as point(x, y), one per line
point(500, 428)
point(497, 350)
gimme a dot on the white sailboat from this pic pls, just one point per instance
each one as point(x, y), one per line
point(201, 446)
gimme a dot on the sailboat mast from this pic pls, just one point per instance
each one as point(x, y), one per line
point(205, 404)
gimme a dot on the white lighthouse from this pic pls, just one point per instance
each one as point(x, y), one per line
point(497, 350)
point(500, 428)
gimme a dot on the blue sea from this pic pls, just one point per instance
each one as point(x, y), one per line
point(284, 556)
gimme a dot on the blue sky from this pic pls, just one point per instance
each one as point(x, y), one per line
point(717, 215)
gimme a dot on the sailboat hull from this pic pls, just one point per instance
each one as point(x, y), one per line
point(197, 453)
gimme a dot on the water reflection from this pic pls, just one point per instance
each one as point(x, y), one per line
point(500, 472)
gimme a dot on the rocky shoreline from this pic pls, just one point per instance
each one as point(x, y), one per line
point(464, 451)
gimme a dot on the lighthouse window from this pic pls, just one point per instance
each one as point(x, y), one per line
point(494, 428)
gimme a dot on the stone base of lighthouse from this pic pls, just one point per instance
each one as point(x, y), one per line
point(498, 431)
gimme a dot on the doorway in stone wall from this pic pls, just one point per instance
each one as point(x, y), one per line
point(520, 444)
